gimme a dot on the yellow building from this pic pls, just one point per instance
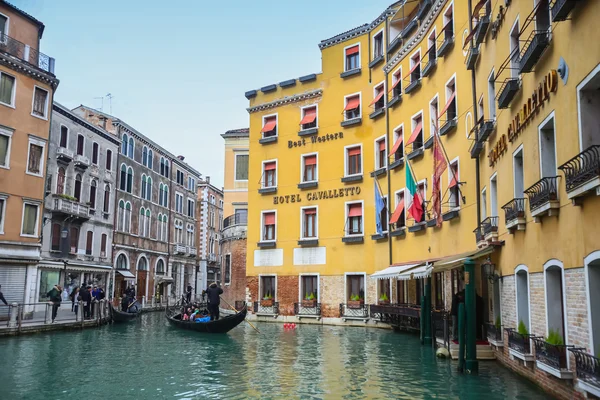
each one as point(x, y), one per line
point(27, 84)
point(235, 189)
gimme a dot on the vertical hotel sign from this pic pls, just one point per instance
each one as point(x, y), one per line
point(529, 108)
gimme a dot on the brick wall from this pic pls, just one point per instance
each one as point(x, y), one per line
point(236, 289)
point(577, 313)
point(332, 294)
point(537, 304)
point(508, 300)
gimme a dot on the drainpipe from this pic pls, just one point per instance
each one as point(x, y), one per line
point(475, 119)
point(387, 136)
point(369, 58)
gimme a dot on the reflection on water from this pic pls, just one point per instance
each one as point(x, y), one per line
point(149, 359)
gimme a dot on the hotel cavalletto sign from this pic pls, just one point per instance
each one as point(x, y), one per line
point(317, 195)
point(540, 95)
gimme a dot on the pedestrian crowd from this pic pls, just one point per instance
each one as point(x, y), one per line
point(88, 295)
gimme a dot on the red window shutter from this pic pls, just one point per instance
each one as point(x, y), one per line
point(103, 244)
point(355, 151)
point(269, 218)
point(270, 166)
point(270, 124)
point(381, 145)
point(56, 237)
point(352, 103)
point(355, 210)
point(310, 114)
point(379, 96)
point(88, 243)
point(397, 144)
point(397, 212)
point(417, 63)
point(415, 133)
point(447, 104)
point(352, 50)
point(310, 160)
point(310, 211)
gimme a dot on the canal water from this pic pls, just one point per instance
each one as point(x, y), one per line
point(149, 359)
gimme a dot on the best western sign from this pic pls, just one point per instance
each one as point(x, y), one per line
point(529, 108)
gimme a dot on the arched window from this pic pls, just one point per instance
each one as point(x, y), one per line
point(143, 187)
point(93, 194)
point(106, 198)
point(142, 264)
point(123, 178)
point(522, 293)
point(77, 191)
point(160, 194)
point(167, 168)
point(147, 229)
point(124, 144)
point(165, 196)
point(60, 181)
point(160, 267)
point(127, 219)
point(190, 235)
point(122, 262)
point(145, 156)
point(142, 223)
point(129, 179)
point(159, 227)
point(121, 216)
point(130, 148)
point(149, 189)
point(162, 166)
point(150, 158)
point(56, 230)
point(165, 227)
point(108, 160)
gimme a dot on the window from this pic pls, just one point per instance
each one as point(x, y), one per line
point(309, 117)
point(555, 290)
point(309, 223)
point(150, 158)
point(74, 239)
point(434, 113)
point(483, 204)
point(149, 189)
point(77, 189)
point(515, 51)
point(106, 204)
point(547, 148)
point(142, 264)
point(144, 156)
point(129, 179)
point(121, 216)
point(3, 27)
point(480, 109)
point(522, 293)
point(431, 46)
point(56, 233)
point(92, 199)
point(422, 187)
point(122, 262)
point(384, 214)
point(126, 216)
point(268, 288)
point(378, 96)
point(269, 126)
point(309, 287)
point(494, 196)
point(179, 178)
point(491, 96)
point(143, 187)
point(449, 23)
point(309, 168)
point(450, 107)
point(542, 15)
point(5, 140)
point(191, 208)
point(241, 167)
point(163, 228)
point(165, 202)
point(142, 222)
point(415, 67)
point(178, 232)
point(397, 83)
point(383, 291)
point(124, 144)
point(64, 136)
point(131, 148)
point(352, 57)
point(47, 281)
point(380, 153)
point(103, 245)
point(89, 240)
point(40, 102)
point(355, 287)
point(60, 181)
point(7, 89)
point(402, 291)
point(108, 160)
point(454, 185)
point(352, 108)
point(162, 166)
point(518, 173)
point(80, 143)
point(95, 153)
point(227, 278)
point(378, 45)
point(399, 215)
point(269, 174)
point(159, 227)
point(398, 149)
point(354, 220)
point(35, 163)
point(160, 267)
point(179, 203)
point(268, 228)
point(353, 160)
point(416, 137)
point(438, 280)
point(190, 235)
point(167, 168)
point(123, 178)
point(191, 184)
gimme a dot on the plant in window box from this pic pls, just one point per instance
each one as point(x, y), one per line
point(355, 301)
point(522, 329)
point(67, 197)
point(384, 299)
point(267, 300)
point(498, 323)
point(310, 300)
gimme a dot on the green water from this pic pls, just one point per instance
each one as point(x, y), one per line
point(149, 359)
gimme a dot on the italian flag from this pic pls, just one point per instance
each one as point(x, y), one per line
point(416, 208)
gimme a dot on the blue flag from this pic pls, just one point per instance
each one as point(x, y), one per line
point(379, 206)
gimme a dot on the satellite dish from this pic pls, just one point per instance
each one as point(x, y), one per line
point(563, 70)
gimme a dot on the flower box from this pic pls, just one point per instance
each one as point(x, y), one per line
point(266, 303)
point(384, 302)
point(309, 303)
point(355, 304)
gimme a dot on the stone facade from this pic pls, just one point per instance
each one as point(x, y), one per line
point(236, 249)
point(210, 218)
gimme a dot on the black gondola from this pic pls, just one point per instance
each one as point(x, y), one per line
point(222, 325)
point(120, 316)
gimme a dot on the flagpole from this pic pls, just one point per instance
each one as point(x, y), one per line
point(448, 160)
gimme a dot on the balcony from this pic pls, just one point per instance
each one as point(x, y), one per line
point(515, 214)
point(448, 41)
point(561, 9)
point(490, 228)
point(494, 335)
point(450, 124)
point(533, 49)
point(179, 249)
point(70, 207)
point(587, 368)
point(25, 53)
point(64, 155)
point(479, 237)
point(476, 148)
point(472, 57)
point(212, 257)
point(508, 90)
point(423, 8)
point(552, 358)
point(81, 162)
point(192, 251)
point(481, 29)
point(379, 111)
point(485, 129)
point(416, 83)
point(267, 308)
point(582, 173)
point(543, 198)
point(235, 219)
point(307, 309)
point(354, 310)
point(268, 190)
point(412, 25)
point(519, 345)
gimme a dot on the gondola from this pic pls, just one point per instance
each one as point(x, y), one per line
point(222, 325)
point(120, 316)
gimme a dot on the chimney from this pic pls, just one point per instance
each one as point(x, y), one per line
point(208, 179)
point(181, 158)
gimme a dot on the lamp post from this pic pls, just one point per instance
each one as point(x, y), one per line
point(489, 269)
point(63, 236)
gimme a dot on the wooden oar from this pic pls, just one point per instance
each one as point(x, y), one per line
point(236, 311)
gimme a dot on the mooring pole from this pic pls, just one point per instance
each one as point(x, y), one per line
point(472, 365)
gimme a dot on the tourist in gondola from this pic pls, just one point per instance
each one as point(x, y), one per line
point(214, 299)
point(125, 303)
point(188, 293)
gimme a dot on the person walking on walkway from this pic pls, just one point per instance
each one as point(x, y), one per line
point(214, 299)
point(54, 295)
point(74, 301)
point(2, 297)
point(86, 297)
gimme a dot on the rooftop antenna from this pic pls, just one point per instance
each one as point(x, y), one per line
point(110, 97)
point(102, 104)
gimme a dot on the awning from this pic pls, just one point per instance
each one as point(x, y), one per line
point(397, 144)
point(451, 262)
point(352, 104)
point(163, 279)
point(77, 267)
point(415, 133)
point(378, 97)
point(126, 274)
point(392, 272)
point(352, 50)
point(270, 124)
point(423, 271)
point(417, 63)
point(397, 212)
point(310, 115)
point(447, 104)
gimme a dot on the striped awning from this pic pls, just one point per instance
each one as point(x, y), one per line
point(422, 271)
point(393, 271)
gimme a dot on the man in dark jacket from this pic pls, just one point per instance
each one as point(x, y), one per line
point(54, 296)
point(457, 298)
point(86, 298)
point(214, 299)
point(2, 297)
point(188, 293)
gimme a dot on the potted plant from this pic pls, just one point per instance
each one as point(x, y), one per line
point(522, 329)
point(310, 300)
point(384, 299)
point(498, 323)
point(267, 300)
point(554, 338)
point(355, 301)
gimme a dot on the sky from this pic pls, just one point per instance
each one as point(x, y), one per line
point(178, 70)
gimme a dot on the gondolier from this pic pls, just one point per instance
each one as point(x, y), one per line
point(214, 292)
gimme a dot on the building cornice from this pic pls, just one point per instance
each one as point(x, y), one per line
point(286, 100)
point(412, 43)
point(59, 108)
point(23, 68)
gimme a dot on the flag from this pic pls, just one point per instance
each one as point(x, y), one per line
point(379, 206)
point(439, 166)
point(416, 208)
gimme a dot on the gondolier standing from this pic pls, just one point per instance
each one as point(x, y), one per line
point(214, 299)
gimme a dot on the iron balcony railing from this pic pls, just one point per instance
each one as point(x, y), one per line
point(440, 320)
point(307, 308)
point(260, 307)
point(25, 53)
point(518, 342)
point(479, 237)
point(582, 168)
point(514, 209)
point(507, 92)
point(354, 311)
point(533, 48)
point(489, 225)
point(552, 355)
point(235, 219)
point(587, 367)
point(542, 192)
point(494, 332)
